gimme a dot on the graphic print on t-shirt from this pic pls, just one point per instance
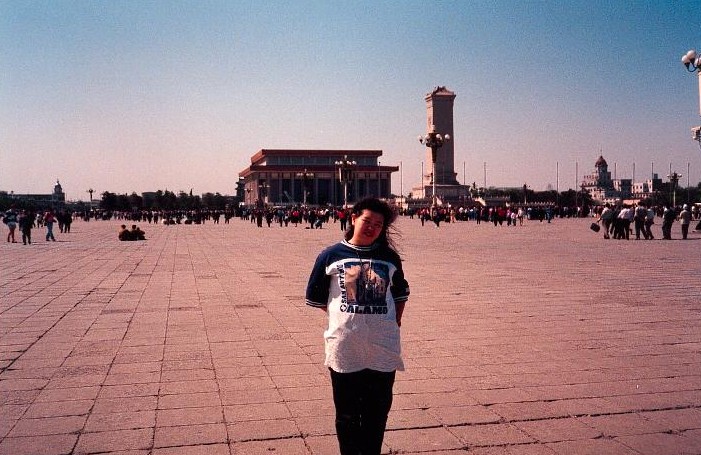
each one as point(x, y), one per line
point(366, 287)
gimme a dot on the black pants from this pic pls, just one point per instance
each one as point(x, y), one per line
point(363, 400)
point(667, 230)
point(640, 229)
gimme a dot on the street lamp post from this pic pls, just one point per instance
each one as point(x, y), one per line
point(434, 141)
point(692, 61)
point(674, 180)
point(345, 175)
point(305, 176)
point(87, 215)
point(90, 192)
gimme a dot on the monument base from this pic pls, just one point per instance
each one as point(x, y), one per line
point(454, 195)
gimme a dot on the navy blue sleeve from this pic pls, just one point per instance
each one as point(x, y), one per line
point(319, 282)
point(399, 287)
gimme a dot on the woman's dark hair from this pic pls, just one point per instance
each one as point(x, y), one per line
point(389, 215)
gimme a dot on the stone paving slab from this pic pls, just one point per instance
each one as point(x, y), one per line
point(538, 339)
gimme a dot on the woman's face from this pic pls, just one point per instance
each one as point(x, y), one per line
point(367, 227)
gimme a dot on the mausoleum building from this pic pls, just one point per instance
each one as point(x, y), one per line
point(288, 177)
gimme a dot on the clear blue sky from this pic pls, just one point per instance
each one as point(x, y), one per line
point(144, 95)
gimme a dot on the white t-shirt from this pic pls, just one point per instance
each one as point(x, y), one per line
point(360, 287)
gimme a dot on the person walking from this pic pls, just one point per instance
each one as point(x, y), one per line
point(26, 223)
point(49, 220)
point(343, 218)
point(68, 220)
point(668, 217)
point(436, 216)
point(606, 218)
point(621, 224)
point(10, 220)
point(639, 219)
point(685, 221)
point(360, 283)
point(649, 221)
point(628, 215)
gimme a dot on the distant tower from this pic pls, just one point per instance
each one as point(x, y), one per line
point(599, 184)
point(603, 176)
point(439, 113)
point(58, 197)
point(58, 190)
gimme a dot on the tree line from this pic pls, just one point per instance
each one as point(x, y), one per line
point(572, 198)
point(168, 200)
point(163, 200)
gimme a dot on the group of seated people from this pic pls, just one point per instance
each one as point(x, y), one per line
point(134, 234)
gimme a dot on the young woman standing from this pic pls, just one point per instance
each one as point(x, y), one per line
point(360, 283)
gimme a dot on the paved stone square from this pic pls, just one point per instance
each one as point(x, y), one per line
point(540, 339)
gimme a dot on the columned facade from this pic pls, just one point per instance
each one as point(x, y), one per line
point(293, 177)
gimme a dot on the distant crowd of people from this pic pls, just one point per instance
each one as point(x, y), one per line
point(511, 216)
point(27, 220)
point(315, 218)
point(312, 218)
point(161, 216)
point(616, 221)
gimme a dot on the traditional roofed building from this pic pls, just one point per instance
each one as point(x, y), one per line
point(281, 177)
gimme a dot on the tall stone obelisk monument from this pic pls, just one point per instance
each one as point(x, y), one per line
point(439, 117)
point(439, 114)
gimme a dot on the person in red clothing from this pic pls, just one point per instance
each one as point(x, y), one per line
point(343, 218)
point(49, 220)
